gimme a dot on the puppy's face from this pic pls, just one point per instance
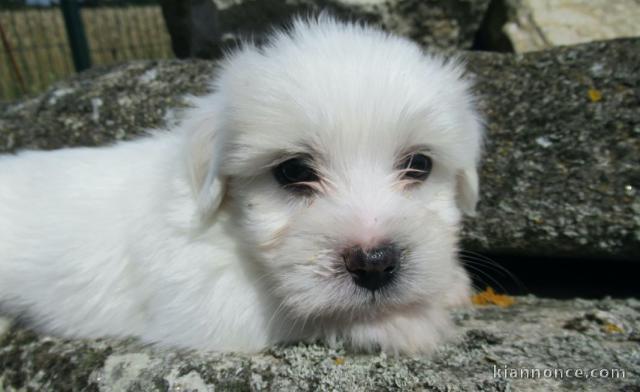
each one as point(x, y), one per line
point(348, 155)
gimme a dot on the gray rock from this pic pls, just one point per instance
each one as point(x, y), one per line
point(561, 173)
point(560, 176)
point(436, 23)
point(534, 333)
point(538, 24)
point(102, 105)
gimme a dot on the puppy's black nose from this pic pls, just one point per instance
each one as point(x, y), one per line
point(372, 268)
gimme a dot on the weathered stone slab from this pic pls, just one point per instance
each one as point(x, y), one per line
point(532, 334)
point(541, 24)
point(561, 172)
point(102, 105)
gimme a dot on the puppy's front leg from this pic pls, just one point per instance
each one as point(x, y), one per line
point(459, 292)
point(412, 331)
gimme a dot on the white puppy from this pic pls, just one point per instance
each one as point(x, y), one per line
point(315, 194)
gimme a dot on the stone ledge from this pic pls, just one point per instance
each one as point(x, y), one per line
point(532, 333)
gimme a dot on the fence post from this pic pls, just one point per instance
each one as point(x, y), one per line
point(75, 32)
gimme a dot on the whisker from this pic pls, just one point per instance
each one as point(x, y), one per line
point(480, 259)
point(493, 280)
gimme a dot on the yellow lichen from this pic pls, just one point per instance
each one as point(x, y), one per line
point(490, 297)
point(339, 360)
point(612, 328)
point(594, 95)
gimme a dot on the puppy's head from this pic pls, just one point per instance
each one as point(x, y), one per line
point(348, 155)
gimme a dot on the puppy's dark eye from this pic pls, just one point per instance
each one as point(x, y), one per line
point(295, 173)
point(417, 167)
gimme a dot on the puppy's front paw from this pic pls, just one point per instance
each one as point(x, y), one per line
point(410, 332)
point(459, 292)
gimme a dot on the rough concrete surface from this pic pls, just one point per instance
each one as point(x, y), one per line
point(531, 334)
point(561, 171)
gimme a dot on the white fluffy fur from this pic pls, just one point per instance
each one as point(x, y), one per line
point(184, 238)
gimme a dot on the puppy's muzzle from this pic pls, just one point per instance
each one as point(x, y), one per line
point(372, 268)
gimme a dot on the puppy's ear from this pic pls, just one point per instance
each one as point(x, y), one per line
point(205, 139)
point(467, 190)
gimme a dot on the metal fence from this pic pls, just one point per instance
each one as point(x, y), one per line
point(36, 43)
